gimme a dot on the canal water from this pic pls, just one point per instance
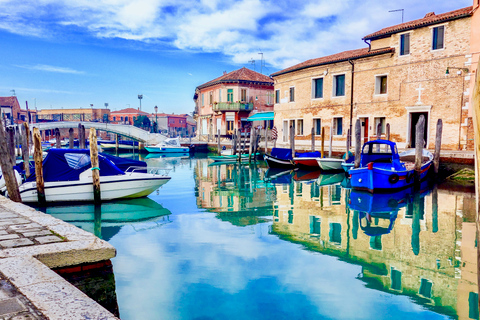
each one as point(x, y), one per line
point(243, 242)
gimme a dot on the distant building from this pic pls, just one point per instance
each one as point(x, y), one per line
point(226, 102)
point(13, 114)
point(126, 116)
point(80, 114)
point(401, 76)
point(174, 124)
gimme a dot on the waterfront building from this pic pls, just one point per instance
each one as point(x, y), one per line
point(13, 114)
point(74, 114)
point(421, 67)
point(126, 116)
point(226, 102)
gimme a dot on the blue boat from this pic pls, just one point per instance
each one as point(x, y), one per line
point(383, 169)
point(280, 158)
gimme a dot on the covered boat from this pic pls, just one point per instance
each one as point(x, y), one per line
point(382, 168)
point(67, 174)
point(307, 160)
point(280, 158)
point(330, 164)
point(169, 145)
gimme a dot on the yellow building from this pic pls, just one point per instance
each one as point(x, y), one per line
point(399, 77)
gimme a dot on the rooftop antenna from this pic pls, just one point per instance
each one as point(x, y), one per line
point(252, 62)
point(261, 63)
point(13, 92)
point(396, 11)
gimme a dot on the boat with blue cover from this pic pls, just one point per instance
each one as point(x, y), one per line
point(280, 158)
point(307, 160)
point(67, 175)
point(170, 145)
point(383, 169)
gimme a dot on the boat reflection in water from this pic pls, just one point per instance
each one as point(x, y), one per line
point(107, 219)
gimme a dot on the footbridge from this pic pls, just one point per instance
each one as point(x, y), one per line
point(125, 130)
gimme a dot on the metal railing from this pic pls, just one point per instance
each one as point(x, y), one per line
point(232, 106)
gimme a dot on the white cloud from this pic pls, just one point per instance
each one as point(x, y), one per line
point(285, 31)
point(44, 67)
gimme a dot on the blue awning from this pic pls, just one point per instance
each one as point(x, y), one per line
point(260, 116)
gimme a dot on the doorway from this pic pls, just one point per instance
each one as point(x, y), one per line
point(414, 116)
point(364, 130)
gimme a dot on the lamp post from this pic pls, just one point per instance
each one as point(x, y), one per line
point(140, 97)
point(156, 119)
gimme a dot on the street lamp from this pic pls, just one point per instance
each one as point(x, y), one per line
point(140, 97)
point(156, 119)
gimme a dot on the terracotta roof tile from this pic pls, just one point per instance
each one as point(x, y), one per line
point(242, 74)
point(130, 110)
point(334, 58)
point(429, 19)
point(9, 101)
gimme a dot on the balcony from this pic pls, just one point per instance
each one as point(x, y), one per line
point(232, 106)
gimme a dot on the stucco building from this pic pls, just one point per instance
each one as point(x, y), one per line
point(400, 76)
point(126, 116)
point(226, 102)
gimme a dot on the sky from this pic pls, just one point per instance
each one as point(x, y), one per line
point(77, 53)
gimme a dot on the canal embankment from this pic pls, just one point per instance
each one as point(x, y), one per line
point(31, 245)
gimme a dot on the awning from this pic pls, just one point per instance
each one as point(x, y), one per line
point(260, 116)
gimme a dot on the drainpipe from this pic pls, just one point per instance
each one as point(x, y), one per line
point(369, 45)
point(351, 99)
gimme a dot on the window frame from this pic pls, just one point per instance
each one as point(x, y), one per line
point(335, 126)
point(334, 85)
point(243, 94)
point(277, 96)
point(436, 40)
point(230, 95)
point(314, 88)
point(291, 94)
point(400, 54)
point(378, 84)
point(314, 125)
point(298, 127)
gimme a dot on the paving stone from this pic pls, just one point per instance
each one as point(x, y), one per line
point(2, 232)
point(48, 239)
point(16, 243)
point(14, 221)
point(22, 227)
point(8, 236)
point(8, 215)
point(10, 306)
point(36, 233)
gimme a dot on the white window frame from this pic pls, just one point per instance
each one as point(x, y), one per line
point(335, 127)
point(277, 93)
point(375, 123)
point(378, 84)
point(444, 37)
point(290, 94)
point(297, 127)
point(400, 44)
point(313, 88)
point(314, 125)
point(334, 85)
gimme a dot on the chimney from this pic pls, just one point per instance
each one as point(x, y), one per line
point(224, 72)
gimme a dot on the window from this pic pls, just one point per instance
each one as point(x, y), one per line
point(338, 126)
point(243, 95)
point(317, 88)
point(277, 96)
point(230, 95)
point(317, 126)
point(381, 84)
point(211, 97)
point(473, 305)
point(114, 118)
point(314, 225)
point(299, 127)
point(396, 279)
point(438, 37)
point(405, 44)
point(339, 85)
point(380, 121)
point(425, 288)
point(376, 242)
point(335, 234)
point(219, 95)
point(292, 94)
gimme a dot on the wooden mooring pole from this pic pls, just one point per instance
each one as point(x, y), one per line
point(11, 144)
point(419, 131)
point(347, 153)
point(26, 150)
point(219, 147)
point(313, 139)
point(95, 166)
point(358, 138)
point(234, 142)
point(250, 147)
point(292, 140)
point(322, 148)
point(7, 164)
point(58, 143)
point(37, 156)
point(330, 141)
point(71, 142)
point(438, 145)
point(81, 136)
point(379, 134)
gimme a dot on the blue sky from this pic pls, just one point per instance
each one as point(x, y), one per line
point(74, 53)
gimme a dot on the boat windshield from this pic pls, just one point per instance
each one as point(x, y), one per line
point(377, 148)
point(77, 160)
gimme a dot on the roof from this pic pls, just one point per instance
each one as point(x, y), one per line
point(130, 110)
point(9, 101)
point(334, 58)
point(429, 19)
point(261, 116)
point(241, 75)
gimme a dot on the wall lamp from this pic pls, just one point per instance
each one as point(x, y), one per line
point(460, 70)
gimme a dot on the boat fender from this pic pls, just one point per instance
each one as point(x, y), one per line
point(409, 177)
point(393, 178)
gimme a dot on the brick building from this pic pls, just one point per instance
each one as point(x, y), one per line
point(400, 76)
point(226, 102)
point(126, 116)
point(13, 114)
point(80, 114)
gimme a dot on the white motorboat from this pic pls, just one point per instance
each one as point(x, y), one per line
point(328, 164)
point(167, 146)
point(68, 177)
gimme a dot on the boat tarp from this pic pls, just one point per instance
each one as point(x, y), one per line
point(261, 116)
point(123, 164)
point(314, 154)
point(68, 164)
point(282, 153)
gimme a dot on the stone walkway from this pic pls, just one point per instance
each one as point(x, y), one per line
point(31, 243)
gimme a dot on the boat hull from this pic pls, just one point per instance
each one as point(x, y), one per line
point(167, 149)
point(306, 163)
point(274, 162)
point(130, 185)
point(330, 164)
point(231, 158)
point(381, 179)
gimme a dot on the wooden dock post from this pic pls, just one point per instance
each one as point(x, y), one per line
point(387, 135)
point(266, 139)
point(26, 150)
point(95, 166)
point(313, 139)
point(7, 164)
point(71, 142)
point(347, 153)
point(11, 144)
point(330, 141)
point(116, 143)
point(379, 134)
point(358, 138)
point(322, 150)
point(250, 147)
point(438, 145)
point(37, 156)
point(292, 140)
point(81, 136)
point(18, 140)
point(58, 143)
point(219, 147)
point(234, 143)
point(419, 131)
